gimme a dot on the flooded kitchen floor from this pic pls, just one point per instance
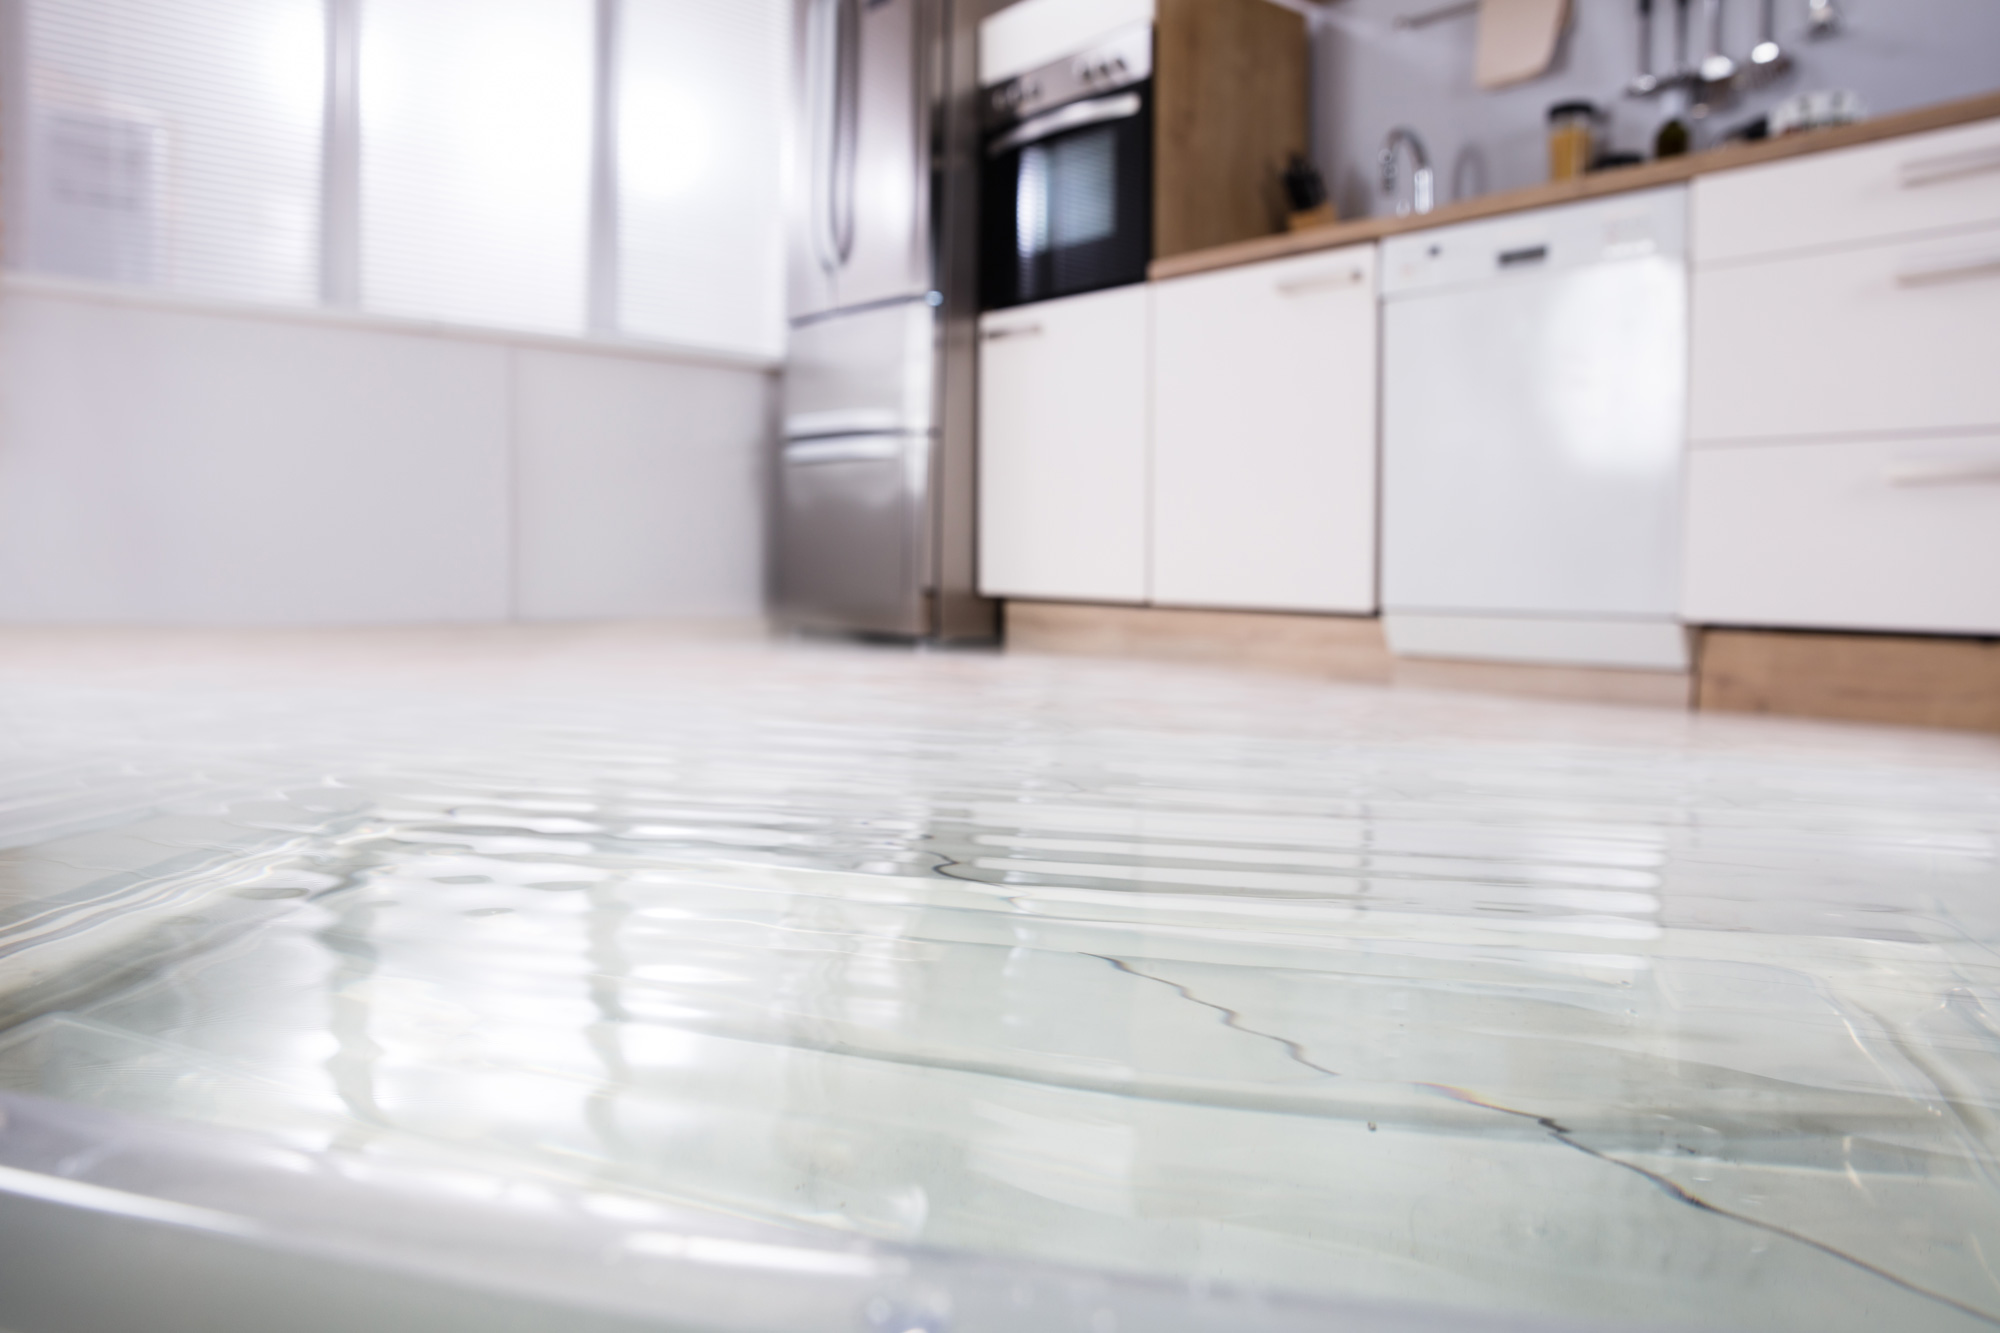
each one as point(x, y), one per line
point(1510, 1006)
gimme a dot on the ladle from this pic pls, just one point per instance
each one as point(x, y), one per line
point(1767, 55)
point(1715, 68)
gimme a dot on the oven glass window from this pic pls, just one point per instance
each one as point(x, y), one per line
point(1068, 213)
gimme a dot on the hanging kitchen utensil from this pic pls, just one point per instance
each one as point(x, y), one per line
point(1517, 39)
point(1767, 55)
point(1645, 82)
point(1716, 66)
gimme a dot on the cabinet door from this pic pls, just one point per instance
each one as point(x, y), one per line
point(1264, 436)
point(1062, 448)
point(1880, 340)
point(1868, 535)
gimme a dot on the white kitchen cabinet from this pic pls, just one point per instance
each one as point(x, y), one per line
point(1891, 337)
point(1263, 476)
point(1844, 414)
point(1873, 535)
point(1944, 180)
point(1063, 448)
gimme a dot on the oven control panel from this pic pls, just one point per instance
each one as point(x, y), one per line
point(1119, 61)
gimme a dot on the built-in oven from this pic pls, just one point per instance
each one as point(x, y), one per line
point(1067, 189)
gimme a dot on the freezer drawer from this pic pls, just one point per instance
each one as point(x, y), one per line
point(849, 528)
point(1263, 476)
point(1869, 535)
point(1946, 180)
point(1888, 338)
point(866, 372)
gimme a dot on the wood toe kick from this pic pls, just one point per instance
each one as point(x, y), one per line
point(1327, 646)
point(1904, 680)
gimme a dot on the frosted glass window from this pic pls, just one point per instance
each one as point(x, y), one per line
point(175, 143)
point(475, 160)
point(701, 98)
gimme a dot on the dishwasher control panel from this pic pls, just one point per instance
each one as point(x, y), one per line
point(1627, 226)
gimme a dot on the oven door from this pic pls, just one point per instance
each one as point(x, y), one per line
point(1069, 200)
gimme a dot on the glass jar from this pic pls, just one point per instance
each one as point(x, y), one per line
point(1572, 139)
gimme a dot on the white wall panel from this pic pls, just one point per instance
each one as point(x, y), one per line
point(640, 487)
point(173, 467)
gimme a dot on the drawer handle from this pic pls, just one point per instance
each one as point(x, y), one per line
point(1968, 472)
point(1013, 331)
point(1951, 270)
point(1322, 282)
point(1931, 170)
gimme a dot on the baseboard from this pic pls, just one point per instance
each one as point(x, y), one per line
point(1326, 646)
point(1578, 684)
point(1909, 680)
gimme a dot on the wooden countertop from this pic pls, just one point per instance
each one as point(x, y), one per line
point(1615, 181)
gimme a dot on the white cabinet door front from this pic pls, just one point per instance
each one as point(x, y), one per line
point(1062, 448)
point(1947, 180)
point(1264, 436)
point(1881, 340)
point(1868, 535)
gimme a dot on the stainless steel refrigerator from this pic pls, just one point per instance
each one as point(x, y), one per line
point(873, 487)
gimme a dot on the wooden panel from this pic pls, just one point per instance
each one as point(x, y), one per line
point(1332, 647)
point(1063, 447)
point(1264, 436)
point(1931, 682)
point(1595, 185)
point(1230, 107)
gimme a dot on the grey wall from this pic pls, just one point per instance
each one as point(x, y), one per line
point(1370, 76)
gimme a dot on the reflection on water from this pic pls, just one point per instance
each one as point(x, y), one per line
point(1163, 973)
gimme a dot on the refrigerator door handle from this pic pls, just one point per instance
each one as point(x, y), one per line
point(846, 125)
point(833, 88)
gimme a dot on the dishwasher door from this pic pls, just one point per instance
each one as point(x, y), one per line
point(1534, 417)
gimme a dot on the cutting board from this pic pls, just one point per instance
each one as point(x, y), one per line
point(1517, 39)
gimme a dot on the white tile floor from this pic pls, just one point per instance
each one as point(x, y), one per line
point(1501, 1005)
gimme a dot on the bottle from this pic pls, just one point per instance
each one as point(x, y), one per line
point(1672, 140)
point(1572, 139)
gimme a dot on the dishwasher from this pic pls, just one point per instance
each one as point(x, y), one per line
point(1534, 417)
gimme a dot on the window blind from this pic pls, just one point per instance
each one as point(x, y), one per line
point(182, 144)
point(701, 98)
point(475, 160)
point(175, 143)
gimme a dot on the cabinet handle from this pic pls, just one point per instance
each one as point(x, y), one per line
point(1950, 270)
point(1016, 331)
point(1931, 170)
point(1321, 282)
point(1966, 472)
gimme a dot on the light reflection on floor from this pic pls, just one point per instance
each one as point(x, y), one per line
point(1510, 1005)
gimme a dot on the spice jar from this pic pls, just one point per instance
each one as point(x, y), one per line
point(1572, 139)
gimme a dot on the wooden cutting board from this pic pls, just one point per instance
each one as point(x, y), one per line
point(1517, 39)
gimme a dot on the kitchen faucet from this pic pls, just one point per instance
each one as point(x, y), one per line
point(1422, 188)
